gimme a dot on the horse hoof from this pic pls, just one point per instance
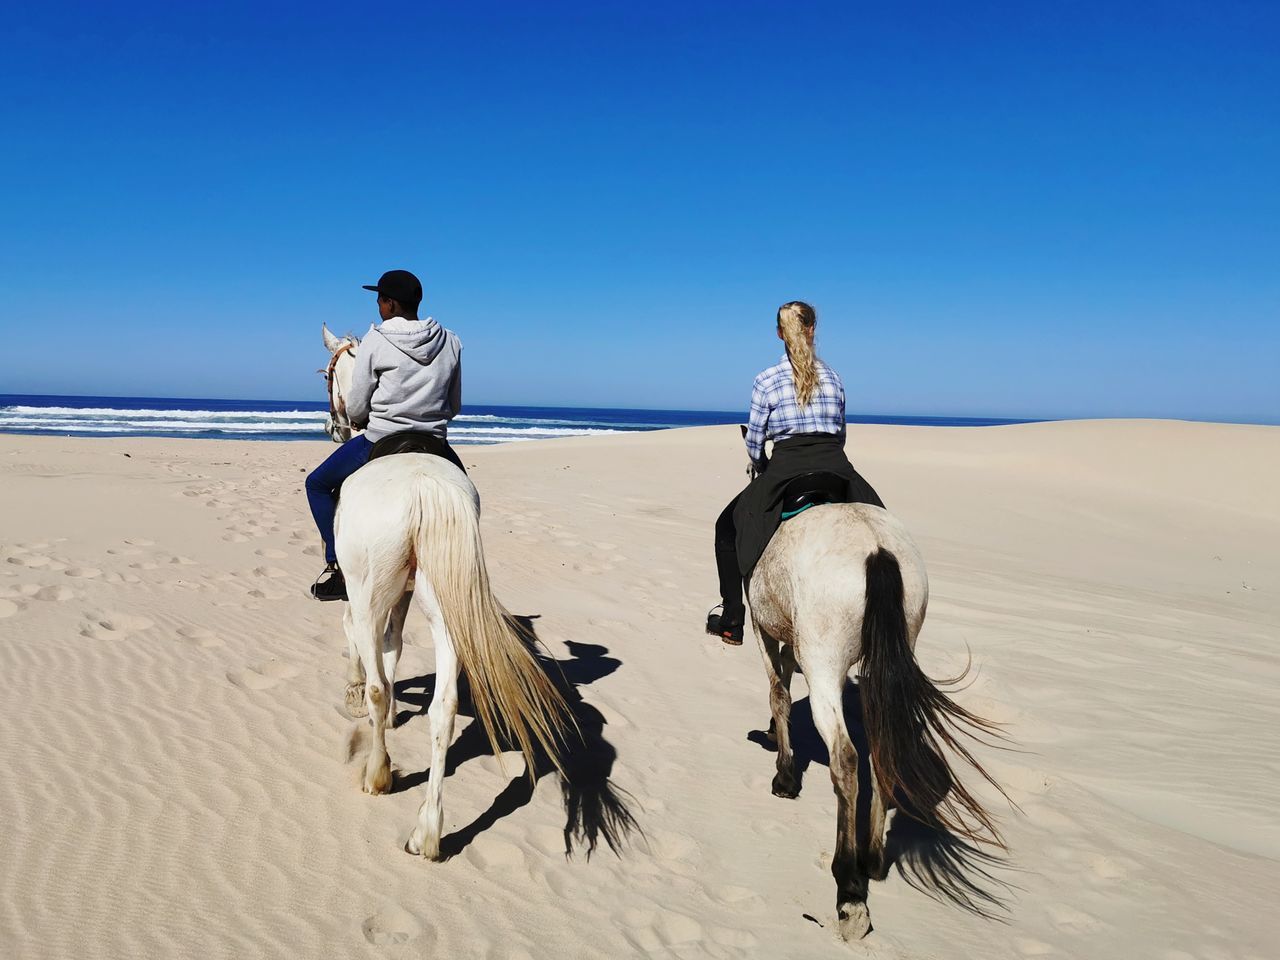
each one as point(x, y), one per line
point(785, 788)
point(354, 701)
point(416, 847)
point(853, 921)
point(380, 782)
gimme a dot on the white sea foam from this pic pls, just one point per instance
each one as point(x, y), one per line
point(65, 425)
point(119, 414)
point(468, 428)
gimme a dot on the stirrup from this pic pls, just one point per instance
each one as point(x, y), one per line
point(326, 591)
point(731, 635)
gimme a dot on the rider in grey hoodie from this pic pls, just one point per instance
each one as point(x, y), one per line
point(408, 376)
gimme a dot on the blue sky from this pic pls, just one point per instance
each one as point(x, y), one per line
point(998, 209)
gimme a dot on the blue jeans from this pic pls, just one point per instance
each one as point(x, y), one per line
point(324, 482)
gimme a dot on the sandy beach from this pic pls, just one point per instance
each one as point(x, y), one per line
point(176, 779)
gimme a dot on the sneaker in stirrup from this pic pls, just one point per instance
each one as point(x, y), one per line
point(331, 587)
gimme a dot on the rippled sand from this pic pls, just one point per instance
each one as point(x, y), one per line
point(176, 777)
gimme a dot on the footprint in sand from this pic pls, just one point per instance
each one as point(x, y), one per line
point(271, 554)
point(390, 926)
point(1109, 869)
point(56, 594)
point(35, 560)
point(139, 542)
point(1032, 948)
point(113, 626)
point(731, 894)
point(83, 573)
point(652, 930)
point(497, 855)
point(97, 631)
point(201, 637)
point(1066, 917)
point(264, 676)
point(8, 608)
point(728, 937)
point(259, 594)
point(679, 854)
point(273, 573)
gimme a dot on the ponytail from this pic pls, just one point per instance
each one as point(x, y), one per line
point(796, 320)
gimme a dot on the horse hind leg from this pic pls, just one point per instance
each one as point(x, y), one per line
point(877, 866)
point(353, 698)
point(425, 838)
point(392, 644)
point(826, 695)
point(366, 630)
point(779, 663)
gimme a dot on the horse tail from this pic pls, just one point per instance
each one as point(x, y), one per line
point(512, 694)
point(909, 720)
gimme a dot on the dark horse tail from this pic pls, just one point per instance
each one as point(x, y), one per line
point(909, 721)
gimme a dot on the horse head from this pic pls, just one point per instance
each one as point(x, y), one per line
point(337, 375)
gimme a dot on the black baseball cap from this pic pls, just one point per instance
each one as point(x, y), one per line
point(399, 285)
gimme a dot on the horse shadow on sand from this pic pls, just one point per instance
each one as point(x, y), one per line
point(928, 857)
point(596, 809)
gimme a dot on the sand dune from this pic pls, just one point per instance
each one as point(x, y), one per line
point(176, 777)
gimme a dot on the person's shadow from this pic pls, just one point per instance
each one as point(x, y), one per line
point(928, 857)
point(595, 808)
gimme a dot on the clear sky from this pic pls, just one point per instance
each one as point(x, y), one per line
point(1067, 209)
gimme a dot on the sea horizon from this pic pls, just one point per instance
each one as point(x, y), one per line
point(224, 419)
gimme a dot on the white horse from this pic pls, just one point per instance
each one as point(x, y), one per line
point(839, 585)
point(408, 528)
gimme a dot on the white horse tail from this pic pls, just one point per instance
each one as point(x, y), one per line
point(909, 720)
point(512, 694)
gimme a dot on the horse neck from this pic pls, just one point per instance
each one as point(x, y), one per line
point(339, 387)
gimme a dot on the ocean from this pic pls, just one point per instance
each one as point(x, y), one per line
point(304, 420)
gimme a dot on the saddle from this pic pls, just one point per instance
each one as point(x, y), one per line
point(813, 490)
point(415, 441)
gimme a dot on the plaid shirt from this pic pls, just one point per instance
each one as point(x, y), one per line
point(775, 415)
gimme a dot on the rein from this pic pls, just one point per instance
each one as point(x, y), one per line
point(328, 376)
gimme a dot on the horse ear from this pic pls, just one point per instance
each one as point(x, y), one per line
point(331, 343)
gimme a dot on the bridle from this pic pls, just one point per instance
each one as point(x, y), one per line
point(332, 424)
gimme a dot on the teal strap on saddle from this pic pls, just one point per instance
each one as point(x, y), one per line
point(788, 514)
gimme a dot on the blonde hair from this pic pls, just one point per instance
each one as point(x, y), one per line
point(796, 321)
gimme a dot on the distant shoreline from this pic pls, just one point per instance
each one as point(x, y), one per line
point(479, 424)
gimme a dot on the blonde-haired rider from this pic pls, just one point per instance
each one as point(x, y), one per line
point(799, 404)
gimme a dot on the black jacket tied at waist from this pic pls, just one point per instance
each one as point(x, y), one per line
point(759, 511)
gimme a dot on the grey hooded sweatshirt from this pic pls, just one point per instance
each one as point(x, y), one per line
point(408, 376)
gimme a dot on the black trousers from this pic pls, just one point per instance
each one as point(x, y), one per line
point(735, 611)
